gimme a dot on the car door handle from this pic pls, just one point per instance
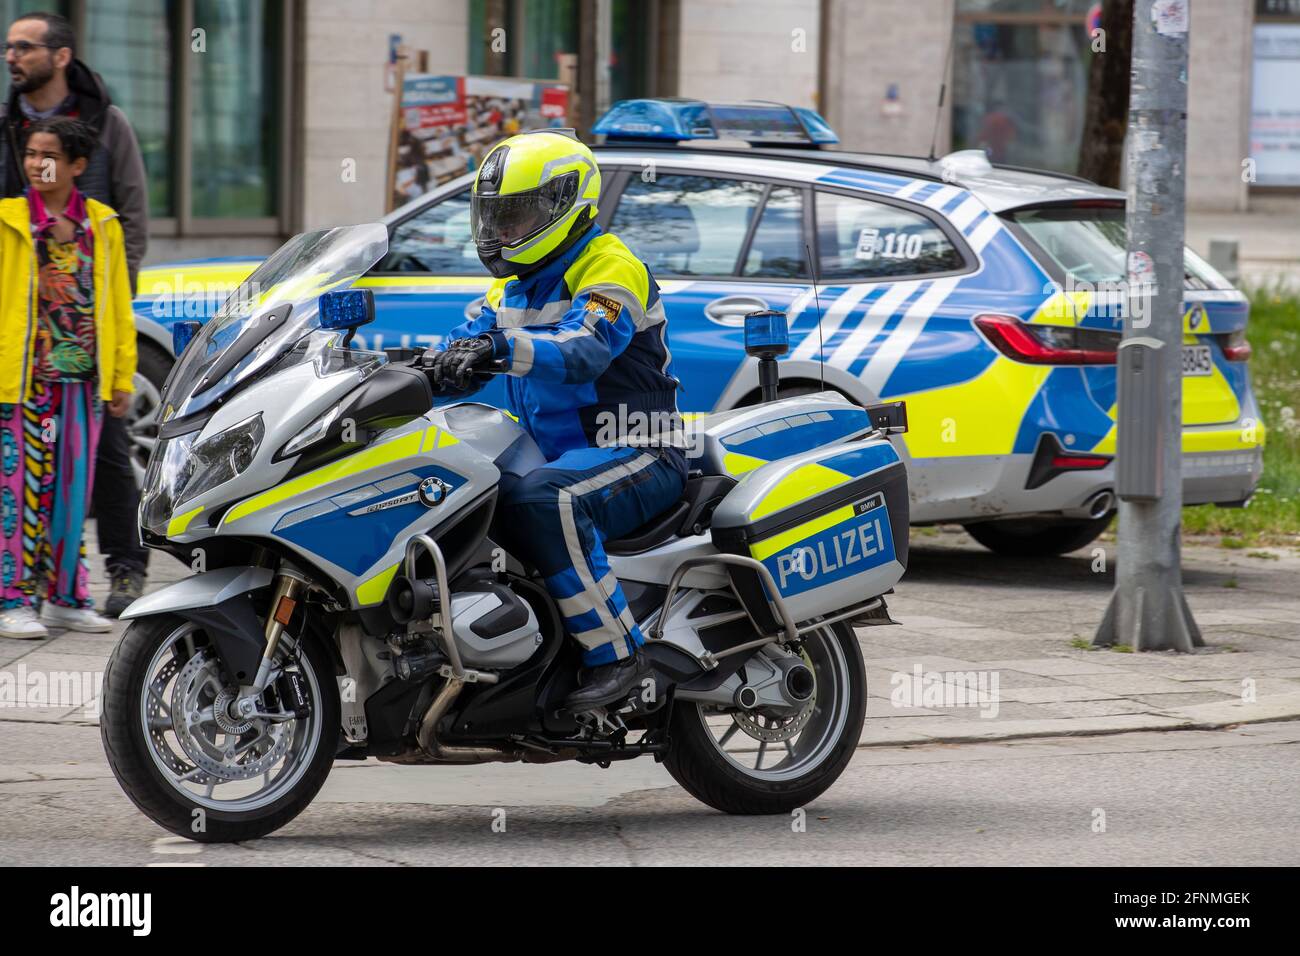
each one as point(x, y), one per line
point(474, 307)
point(731, 310)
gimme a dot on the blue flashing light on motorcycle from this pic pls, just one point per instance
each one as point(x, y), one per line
point(182, 333)
point(767, 335)
point(347, 309)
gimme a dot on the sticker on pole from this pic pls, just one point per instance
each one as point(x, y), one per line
point(1169, 17)
point(1141, 271)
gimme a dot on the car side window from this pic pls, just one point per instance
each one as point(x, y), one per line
point(686, 225)
point(861, 239)
point(777, 249)
point(435, 241)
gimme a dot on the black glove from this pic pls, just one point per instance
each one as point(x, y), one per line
point(453, 367)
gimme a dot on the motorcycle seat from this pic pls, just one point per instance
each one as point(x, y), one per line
point(688, 515)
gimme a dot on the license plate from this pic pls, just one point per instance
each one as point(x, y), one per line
point(1196, 360)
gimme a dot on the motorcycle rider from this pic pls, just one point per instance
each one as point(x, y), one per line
point(576, 321)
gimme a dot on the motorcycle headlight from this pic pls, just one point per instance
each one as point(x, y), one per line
point(170, 469)
point(182, 468)
point(214, 461)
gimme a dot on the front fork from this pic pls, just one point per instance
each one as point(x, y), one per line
point(289, 586)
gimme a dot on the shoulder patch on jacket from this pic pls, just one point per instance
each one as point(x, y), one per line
point(603, 307)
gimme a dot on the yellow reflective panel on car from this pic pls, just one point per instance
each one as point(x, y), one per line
point(168, 280)
point(416, 282)
point(978, 417)
point(1063, 308)
point(1208, 399)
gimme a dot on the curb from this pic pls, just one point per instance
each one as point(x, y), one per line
point(1216, 716)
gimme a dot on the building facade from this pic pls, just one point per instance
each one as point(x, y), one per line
point(260, 118)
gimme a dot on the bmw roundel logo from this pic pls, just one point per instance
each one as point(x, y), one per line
point(432, 491)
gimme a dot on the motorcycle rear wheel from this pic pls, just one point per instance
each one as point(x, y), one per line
point(723, 757)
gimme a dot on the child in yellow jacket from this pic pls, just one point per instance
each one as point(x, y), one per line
point(67, 353)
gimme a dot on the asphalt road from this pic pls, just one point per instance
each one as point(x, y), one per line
point(1222, 798)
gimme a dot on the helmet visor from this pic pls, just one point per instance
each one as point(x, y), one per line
point(508, 220)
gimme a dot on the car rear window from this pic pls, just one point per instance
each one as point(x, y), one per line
point(1088, 243)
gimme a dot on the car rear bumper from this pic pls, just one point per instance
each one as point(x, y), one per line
point(984, 487)
point(1225, 478)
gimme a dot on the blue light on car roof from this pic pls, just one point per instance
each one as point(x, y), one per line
point(818, 129)
point(672, 120)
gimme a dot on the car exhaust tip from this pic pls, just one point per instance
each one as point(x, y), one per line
point(1101, 504)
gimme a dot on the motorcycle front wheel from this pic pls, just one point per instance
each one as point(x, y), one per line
point(747, 763)
point(181, 756)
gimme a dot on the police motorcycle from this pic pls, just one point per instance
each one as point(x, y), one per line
point(350, 601)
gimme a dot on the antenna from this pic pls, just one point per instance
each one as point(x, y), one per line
point(821, 344)
point(943, 88)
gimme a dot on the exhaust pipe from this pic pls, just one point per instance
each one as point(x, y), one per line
point(1101, 504)
point(427, 735)
point(1098, 506)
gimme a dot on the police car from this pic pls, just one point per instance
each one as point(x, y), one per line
point(985, 296)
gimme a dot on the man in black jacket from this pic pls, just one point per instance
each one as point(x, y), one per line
point(46, 80)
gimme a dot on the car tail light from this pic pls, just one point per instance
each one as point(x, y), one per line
point(1079, 462)
point(1049, 344)
point(1234, 345)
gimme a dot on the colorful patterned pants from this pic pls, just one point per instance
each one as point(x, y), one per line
point(47, 469)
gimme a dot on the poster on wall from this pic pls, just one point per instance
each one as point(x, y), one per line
point(444, 125)
point(1275, 108)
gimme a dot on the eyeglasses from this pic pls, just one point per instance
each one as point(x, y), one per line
point(23, 47)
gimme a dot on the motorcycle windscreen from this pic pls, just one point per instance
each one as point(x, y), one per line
point(270, 313)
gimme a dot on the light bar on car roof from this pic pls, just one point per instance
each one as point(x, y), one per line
point(677, 120)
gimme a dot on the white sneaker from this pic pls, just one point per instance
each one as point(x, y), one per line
point(21, 623)
point(74, 618)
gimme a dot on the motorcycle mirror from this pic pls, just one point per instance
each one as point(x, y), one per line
point(347, 309)
point(182, 333)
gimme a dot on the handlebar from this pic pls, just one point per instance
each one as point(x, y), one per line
point(415, 359)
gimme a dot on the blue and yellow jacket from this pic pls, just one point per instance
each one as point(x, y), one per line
point(586, 341)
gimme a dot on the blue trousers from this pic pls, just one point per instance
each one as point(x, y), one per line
point(559, 516)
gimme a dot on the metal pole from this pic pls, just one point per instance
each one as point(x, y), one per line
point(1147, 609)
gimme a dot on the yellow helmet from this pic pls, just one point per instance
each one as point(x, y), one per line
point(534, 193)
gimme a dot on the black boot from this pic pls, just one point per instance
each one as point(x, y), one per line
point(607, 683)
point(127, 586)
